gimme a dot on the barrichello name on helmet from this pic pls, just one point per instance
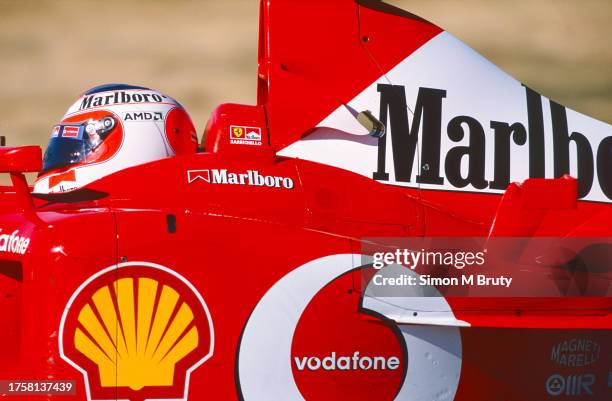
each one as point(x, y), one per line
point(593, 160)
point(13, 243)
point(250, 178)
point(121, 97)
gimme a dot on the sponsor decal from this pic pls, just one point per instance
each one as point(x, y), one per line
point(352, 362)
point(55, 131)
point(121, 97)
point(236, 132)
point(62, 182)
point(14, 243)
point(571, 385)
point(136, 331)
point(72, 131)
point(576, 352)
point(311, 366)
point(249, 178)
point(241, 135)
point(464, 165)
point(143, 116)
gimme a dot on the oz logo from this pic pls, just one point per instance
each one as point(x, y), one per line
point(570, 385)
point(136, 331)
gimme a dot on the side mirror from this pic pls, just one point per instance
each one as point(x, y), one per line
point(16, 161)
point(20, 159)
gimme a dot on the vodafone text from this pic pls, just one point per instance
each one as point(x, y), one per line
point(13, 243)
point(353, 362)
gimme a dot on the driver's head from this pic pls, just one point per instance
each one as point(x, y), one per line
point(109, 128)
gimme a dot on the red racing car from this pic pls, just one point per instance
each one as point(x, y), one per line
point(396, 219)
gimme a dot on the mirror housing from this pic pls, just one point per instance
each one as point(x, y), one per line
point(16, 161)
point(20, 159)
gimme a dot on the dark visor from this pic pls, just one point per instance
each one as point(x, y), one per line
point(72, 143)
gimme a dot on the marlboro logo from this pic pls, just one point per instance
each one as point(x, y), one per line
point(72, 131)
point(463, 165)
point(121, 97)
point(249, 178)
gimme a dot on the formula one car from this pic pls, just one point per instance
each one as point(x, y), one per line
point(272, 261)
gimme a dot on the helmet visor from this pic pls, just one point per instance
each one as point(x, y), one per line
point(72, 143)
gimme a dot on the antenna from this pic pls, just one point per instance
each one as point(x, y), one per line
point(371, 123)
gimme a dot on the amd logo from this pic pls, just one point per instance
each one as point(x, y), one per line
point(594, 163)
point(143, 116)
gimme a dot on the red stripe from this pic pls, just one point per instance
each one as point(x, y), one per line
point(59, 178)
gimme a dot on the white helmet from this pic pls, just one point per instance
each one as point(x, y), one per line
point(109, 128)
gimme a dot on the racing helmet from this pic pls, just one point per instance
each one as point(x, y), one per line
point(109, 128)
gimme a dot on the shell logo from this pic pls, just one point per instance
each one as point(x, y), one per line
point(136, 331)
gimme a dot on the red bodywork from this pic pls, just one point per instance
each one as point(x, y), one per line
point(233, 243)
